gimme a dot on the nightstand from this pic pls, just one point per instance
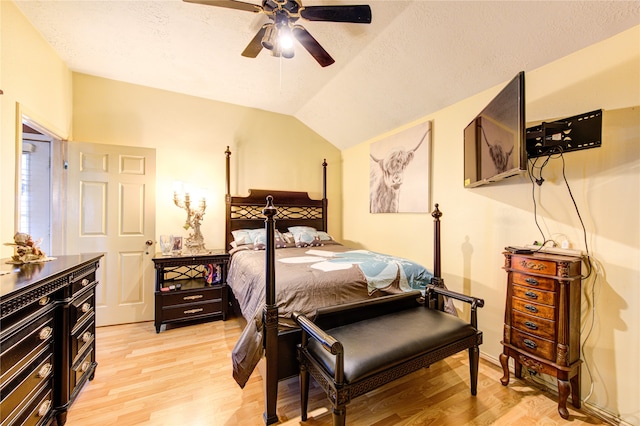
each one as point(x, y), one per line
point(542, 320)
point(190, 287)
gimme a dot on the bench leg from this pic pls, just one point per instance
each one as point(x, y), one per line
point(474, 359)
point(304, 391)
point(339, 416)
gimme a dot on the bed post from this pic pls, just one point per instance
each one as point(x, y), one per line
point(324, 195)
point(437, 279)
point(227, 197)
point(270, 318)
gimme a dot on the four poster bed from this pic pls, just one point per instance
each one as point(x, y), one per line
point(287, 231)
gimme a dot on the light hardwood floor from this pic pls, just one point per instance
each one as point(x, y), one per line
point(182, 377)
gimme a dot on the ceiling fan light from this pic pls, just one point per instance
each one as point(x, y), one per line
point(270, 37)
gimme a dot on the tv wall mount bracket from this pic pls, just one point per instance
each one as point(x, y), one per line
point(582, 131)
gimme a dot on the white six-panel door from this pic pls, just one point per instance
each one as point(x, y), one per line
point(111, 210)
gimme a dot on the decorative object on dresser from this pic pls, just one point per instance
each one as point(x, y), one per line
point(190, 287)
point(182, 198)
point(47, 340)
point(542, 320)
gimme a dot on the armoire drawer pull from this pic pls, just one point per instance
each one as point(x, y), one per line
point(86, 307)
point(531, 308)
point(45, 370)
point(532, 281)
point(531, 295)
point(45, 333)
point(85, 282)
point(85, 366)
point(531, 325)
point(530, 344)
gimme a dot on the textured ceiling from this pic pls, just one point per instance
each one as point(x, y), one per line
point(416, 57)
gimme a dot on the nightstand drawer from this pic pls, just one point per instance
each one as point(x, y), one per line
point(181, 297)
point(537, 326)
point(536, 309)
point(536, 266)
point(533, 345)
point(541, 283)
point(533, 295)
point(191, 310)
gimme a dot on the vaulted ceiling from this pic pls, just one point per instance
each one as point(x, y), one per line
point(416, 57)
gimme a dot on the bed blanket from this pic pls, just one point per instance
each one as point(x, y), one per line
point(307, 279)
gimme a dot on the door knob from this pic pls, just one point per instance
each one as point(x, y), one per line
point(148, 243)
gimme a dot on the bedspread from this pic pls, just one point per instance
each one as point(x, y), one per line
point(307, 279)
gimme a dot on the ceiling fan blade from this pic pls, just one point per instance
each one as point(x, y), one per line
point(255, 45)
point(229, 4)
point(360, 14)
point(312, 46)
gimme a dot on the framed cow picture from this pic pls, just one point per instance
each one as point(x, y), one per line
point(400, 172)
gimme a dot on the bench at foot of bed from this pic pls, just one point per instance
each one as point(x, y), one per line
point(354, 348)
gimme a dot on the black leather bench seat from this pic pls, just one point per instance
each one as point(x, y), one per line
point(379, 343)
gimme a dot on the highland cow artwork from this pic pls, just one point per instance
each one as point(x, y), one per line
point(399, 172)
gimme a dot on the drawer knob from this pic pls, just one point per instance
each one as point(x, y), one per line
point(85, 366)
point(86, 307)
point(530, 344)
point(45, 370)
point(531, 295)
point(531, 281)
point(531, 308)
point(45, 333)
point(85, 282)
point(44, 408)
point(531, 325)
point(43, 301)
point(86, 336)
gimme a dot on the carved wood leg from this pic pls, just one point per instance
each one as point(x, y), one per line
point(339, 416)
point(474, 358)
point(304, 391)
point(563, 392)
point(575, 389)
point(504, 361)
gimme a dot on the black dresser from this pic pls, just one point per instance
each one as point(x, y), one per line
point(47, 337)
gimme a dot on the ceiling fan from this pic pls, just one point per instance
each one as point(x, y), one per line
point(277, 36)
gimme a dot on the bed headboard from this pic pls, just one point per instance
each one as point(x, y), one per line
point(294, 208)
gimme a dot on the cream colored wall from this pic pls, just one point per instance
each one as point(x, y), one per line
point(478, 223)
point(35, 82)
point(190, 135)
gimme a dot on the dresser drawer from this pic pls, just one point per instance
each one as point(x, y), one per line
point(81, 309)
point(182, 297)
point(18, 349)
point(536, 326)
point(78, 373)
point(535, 309)
point(541, 283)
point(533, 345)
point(536, 266)
point(16, 390)
point(83, 278)
point(533, 295)
point(38, 409)
point(191, 310)
point(82, 338)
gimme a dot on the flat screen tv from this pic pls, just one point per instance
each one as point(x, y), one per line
point(494, 142)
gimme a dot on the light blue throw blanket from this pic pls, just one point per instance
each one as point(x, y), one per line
point(382, 270)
